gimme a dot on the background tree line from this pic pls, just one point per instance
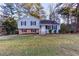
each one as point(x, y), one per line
point(11, 12)
point(70, 14)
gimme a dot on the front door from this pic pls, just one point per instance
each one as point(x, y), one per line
point(54, 28)
point(42, 29)
point(48, 29)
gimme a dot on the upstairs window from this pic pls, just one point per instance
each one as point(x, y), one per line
point(33, 23)
point(23, 23)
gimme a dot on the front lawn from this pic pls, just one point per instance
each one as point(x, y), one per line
point(36, 45)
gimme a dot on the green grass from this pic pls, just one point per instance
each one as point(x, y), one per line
point(36, 45)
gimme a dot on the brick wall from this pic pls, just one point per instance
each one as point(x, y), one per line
point(28, 31)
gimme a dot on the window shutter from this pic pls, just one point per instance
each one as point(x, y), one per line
point(23, 23)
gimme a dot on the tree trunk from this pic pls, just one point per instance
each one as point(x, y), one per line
point(68, 20)
point(77, 17)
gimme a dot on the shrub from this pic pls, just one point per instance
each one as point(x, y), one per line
point(50, 31)
point(10, 25)
point(64, 28)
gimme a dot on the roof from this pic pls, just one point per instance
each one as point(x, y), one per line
point(48, 22)
point(29, 17)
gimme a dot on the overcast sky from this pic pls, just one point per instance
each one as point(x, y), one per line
point(46, 8)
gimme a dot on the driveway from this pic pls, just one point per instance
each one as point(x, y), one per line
point(7, 37)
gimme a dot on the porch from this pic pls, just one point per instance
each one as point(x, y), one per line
point(48, 29)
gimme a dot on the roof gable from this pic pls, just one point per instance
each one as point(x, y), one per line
point(29, 17)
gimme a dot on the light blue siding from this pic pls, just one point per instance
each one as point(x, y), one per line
point(28, 22)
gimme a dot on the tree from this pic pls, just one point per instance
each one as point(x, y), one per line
point(8, 9)
point(64, 28)
point(77, 10)
point(34, 9)
point(77, 15)
point(53, 8)
point(10, 25)
point(70, 11)
point(65, 11)
point(12, 10)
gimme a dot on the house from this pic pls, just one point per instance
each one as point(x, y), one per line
point(47, 26)
point(2, 30)
point(32, 25)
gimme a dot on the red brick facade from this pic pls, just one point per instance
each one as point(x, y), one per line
point(28, 31)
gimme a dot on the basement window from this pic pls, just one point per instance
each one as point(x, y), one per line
point(24, 30)
point(33, 30)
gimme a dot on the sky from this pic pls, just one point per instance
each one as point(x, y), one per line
point(46, 8)
point(45, 5)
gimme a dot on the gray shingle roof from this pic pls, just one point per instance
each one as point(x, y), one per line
point(48, 22)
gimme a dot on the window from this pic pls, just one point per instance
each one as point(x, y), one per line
point(33, 23)
point(33, 30)
point(23, 23)
point(24, 30)
point(48, 27)
point(3, 29)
